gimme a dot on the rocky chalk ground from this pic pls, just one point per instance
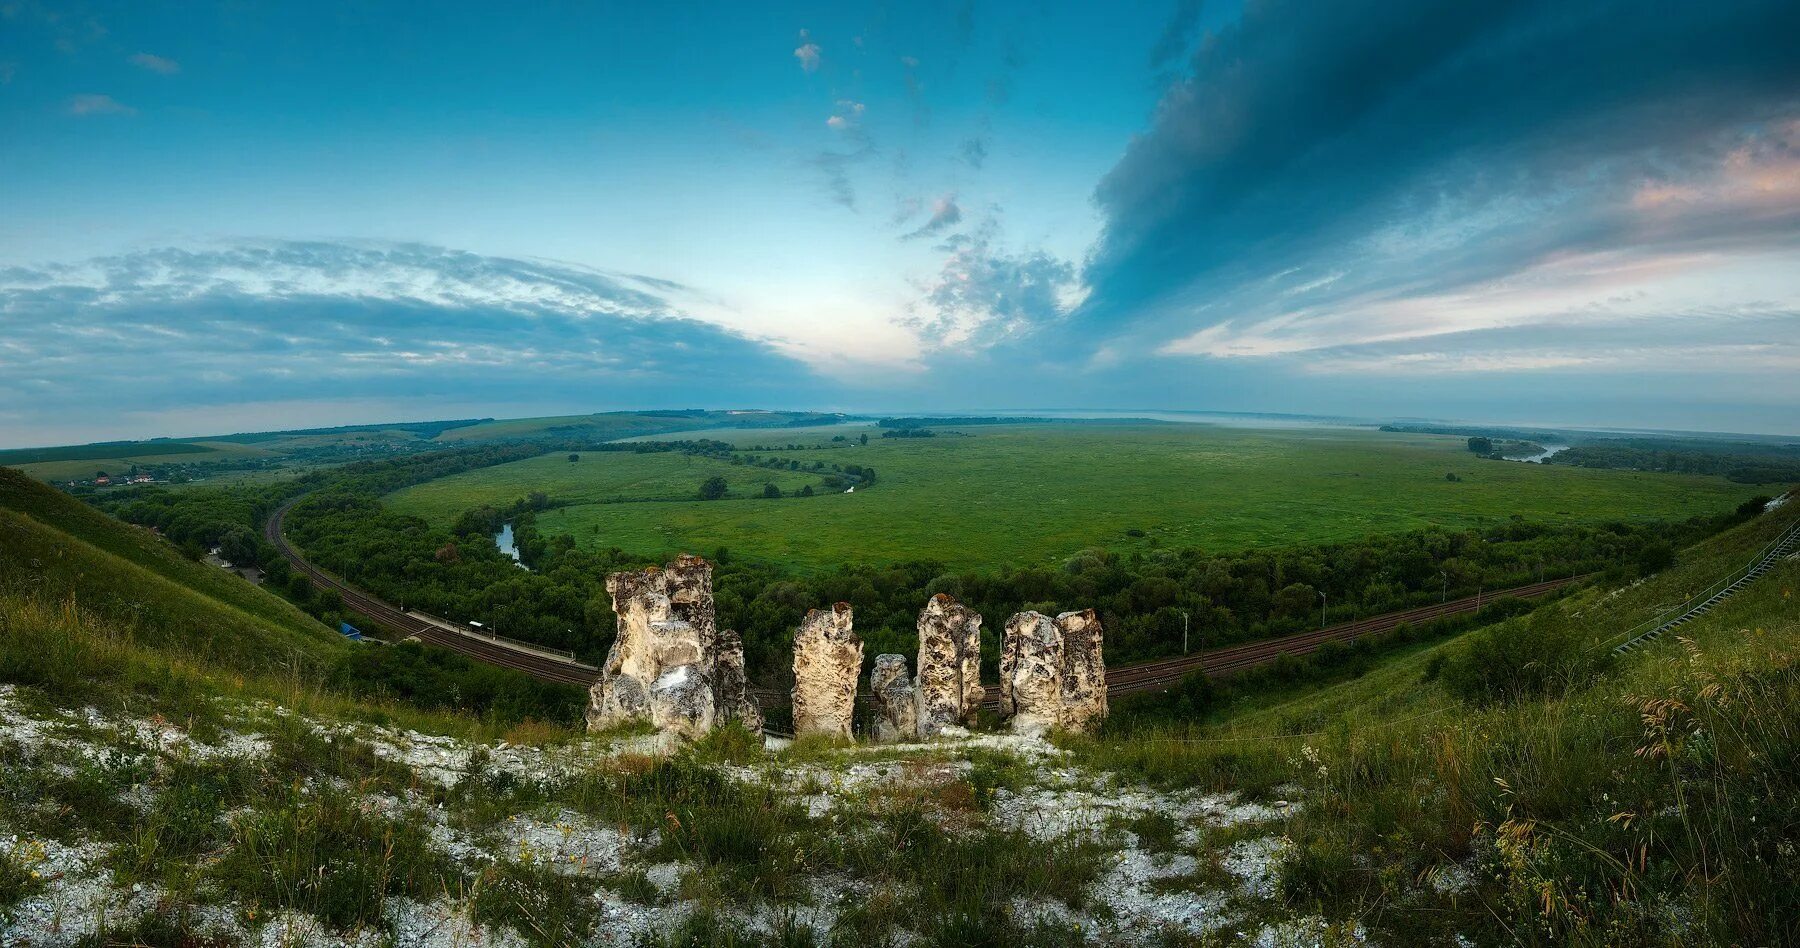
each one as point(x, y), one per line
point(518, 844)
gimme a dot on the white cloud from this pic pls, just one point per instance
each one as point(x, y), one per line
point(156, 64)
point(807, 52)
point(91, 103)
point(848, 115)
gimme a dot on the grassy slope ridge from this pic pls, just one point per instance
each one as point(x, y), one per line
point(55, 549)
point(1646, 799)
point(1027, 495)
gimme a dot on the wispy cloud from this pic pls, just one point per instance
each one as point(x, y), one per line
point(834, 168)
point(974, 152)
point(1177, 35)
point(848, 115)
point(156, 64)
point(945, 214)
point(984, 295)
point(807, 53)
point(287, 320)
point(93, 103)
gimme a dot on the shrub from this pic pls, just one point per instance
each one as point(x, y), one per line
point(1523, 656)
point(1654, 558)
point(326, 855)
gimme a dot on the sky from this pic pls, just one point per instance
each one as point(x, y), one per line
point(239, 216)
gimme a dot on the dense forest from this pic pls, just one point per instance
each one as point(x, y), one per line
point(1145, 599)
point(1772, 464)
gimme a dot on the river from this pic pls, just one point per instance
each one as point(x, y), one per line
point(1549, 449)
point(504, 540)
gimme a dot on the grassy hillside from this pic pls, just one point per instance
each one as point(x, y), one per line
point(1524, 783)
point(1028, 495)
point(56, 550)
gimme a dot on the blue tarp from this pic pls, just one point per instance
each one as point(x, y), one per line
point(350, 631)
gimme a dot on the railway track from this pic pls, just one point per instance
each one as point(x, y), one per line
point(538, 664)
point(1127, 679)
point(1219, 662)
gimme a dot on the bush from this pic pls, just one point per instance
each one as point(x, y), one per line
point(1654, 558)
point(712, 488)
point(1530, 655)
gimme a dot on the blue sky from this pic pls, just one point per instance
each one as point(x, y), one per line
point(243, 215)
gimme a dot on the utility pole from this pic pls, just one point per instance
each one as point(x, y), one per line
point(1321, 609)
point(1446, 597)
point(1184, 631)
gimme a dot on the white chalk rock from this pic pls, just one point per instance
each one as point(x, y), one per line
point(827, 663)
point(1031, 673)
point(949, 682)
point(1083, 671)
point(1053, 672)
point(664, 662)
point(896, 711)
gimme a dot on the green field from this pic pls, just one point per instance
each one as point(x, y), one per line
point(598, 479)
point(118, 461)
point(1034, 495)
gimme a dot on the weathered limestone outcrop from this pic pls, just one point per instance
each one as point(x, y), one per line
point(1031, 673)
point(664, 666)
point(828, 658)
point(949, 682)
point(1052, 673)
point(896, 707)
point(1083, 671)
point(732, 684)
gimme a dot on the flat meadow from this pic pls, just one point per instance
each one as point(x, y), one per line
point(1024, 495)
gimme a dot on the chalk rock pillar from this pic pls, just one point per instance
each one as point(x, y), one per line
point(731, 684)
point(896, 709)
point(1083, 671)
point(1052, 672)
point(661, 665)
point(828, 658)
point(949, 684)
point(1031, 673)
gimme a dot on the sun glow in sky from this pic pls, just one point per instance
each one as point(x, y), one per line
point(224, 216)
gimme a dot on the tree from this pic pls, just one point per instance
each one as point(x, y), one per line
point(1295, 601)
point(238, 546)
point(1654, 558)
point(1452, 477)
point(863, 438)
point(712, 488)
point(1481, 445)
point(573, 458)
point(771, 491)
point(806, 491)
